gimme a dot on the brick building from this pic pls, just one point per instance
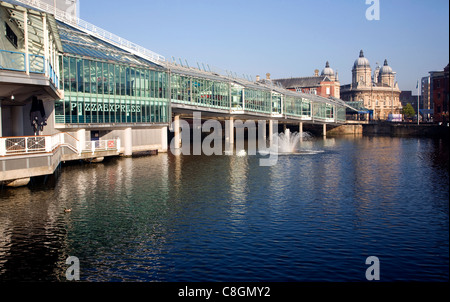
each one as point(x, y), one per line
point(440, 95)
point(326, 84)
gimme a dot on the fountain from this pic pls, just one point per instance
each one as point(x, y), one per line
point(287, 142)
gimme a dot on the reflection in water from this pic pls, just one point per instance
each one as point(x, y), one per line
point(311, 217)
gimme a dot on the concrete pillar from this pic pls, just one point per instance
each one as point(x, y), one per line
point(324, 130)
point(177, 137)
point(270, 133)
point(229, 131)
point(300, 130)
point(164, 142)
point(81, 136)
point(128, 142)
point(17, 120)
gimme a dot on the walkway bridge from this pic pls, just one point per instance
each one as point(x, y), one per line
point(90, 79)
point(29, 156)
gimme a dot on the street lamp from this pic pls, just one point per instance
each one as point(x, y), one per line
point(392, 101)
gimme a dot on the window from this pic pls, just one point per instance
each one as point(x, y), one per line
point(328, 90)
point(11, 35)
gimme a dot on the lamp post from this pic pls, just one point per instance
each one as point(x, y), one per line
point(392, 97)
point(418, 94)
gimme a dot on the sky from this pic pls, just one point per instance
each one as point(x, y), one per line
point(286, 38)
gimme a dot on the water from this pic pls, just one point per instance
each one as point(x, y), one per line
point(314, 216)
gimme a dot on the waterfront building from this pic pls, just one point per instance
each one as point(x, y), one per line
point(426, 93)
point(440, 94)
point(326, 84)
point(379, 93)
point(70, 90)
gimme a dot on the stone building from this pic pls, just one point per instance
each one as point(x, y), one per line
point(378, 92)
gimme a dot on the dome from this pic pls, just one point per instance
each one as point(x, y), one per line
point(386, 69)
point(327, 71)
point(361, 61)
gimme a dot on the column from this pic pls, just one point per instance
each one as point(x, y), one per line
point(46, 52)
point(177, 137)
point(17, 120)
point(81, 136)
point(164, 139)
point(1, 119)
point(229, 131)
point(270, 133)
point(324, 130)
point(128, 142)
point(300, 130)
point(25, 31)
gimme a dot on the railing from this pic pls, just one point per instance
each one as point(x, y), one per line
point(86, 26)
point(15, 61)
point(41, 144)
point(101, 145)
point(12, 60)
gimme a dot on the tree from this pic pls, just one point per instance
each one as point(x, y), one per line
point(408, 111)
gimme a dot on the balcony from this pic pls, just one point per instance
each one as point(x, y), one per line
point(16, 61)
point(29, 156)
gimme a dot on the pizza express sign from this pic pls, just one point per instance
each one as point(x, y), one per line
point(106, 107)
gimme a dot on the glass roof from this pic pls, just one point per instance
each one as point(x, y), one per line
point(81, 44)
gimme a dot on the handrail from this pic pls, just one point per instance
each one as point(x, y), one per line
point(15, 61)
point(94, 30)
point(22, 145)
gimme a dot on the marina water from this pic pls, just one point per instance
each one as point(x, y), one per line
point(316, 215)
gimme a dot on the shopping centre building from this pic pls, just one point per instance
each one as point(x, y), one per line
point(70, 91)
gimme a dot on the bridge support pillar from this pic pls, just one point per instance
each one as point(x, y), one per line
point(324, 130)
point(128, 142)
point(164, 143)
point(270, 133)
point(81, 137)
point(177, 137)
point(229, 131)
point(300, 130)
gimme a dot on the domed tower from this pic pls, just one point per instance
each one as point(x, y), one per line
point(361, 72)
point(386, 75)
point(327, 71)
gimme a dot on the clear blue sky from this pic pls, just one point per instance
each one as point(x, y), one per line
point(288, 38)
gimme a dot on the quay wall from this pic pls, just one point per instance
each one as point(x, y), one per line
point(407, 129)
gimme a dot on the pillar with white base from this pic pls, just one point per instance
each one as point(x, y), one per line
point(229, 131)
point(176, 129)
point(127, 142)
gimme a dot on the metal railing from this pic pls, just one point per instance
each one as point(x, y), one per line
point(24, 145)
point(15, 61)
point(12, 60)
point(92, 29)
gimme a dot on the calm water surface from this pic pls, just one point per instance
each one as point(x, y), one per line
point(311, 217)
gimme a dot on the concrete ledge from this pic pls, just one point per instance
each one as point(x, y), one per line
point(407, 129)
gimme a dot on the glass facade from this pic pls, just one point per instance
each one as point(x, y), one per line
point(276, 103)
point(197, 91)
point(257, 100)
point(323, 111)
point(105, 84)
point(100, 92)
point(299, 107)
